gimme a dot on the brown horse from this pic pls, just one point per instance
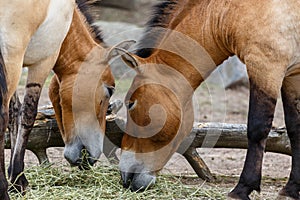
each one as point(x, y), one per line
point(183, 44)
point(89, 84)
point(41, 35)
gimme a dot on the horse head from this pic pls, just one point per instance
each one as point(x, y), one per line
point(160, 115)
point(81, 100)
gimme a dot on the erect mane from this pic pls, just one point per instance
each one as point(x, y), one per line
point(168, 14)
point(84, 8)
point(160, 19)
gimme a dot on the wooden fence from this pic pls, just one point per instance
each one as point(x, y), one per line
point(46, 134)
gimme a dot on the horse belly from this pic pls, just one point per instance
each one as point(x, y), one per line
point(49, 36)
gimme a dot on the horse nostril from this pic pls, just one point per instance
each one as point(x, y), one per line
point(126, 178)
point(74, 161)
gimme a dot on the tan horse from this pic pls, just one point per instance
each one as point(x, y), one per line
point(183, 44)
point(39, 35)
point(88, 83)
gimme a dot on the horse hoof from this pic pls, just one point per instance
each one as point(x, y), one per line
point(235, 195)
point(4, 195)
point(19, 185)
point(232, 195)
point(284, 195)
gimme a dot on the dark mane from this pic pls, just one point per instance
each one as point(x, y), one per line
point(84, 8)
point(160, 19)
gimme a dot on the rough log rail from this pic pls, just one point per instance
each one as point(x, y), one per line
point(46, 134)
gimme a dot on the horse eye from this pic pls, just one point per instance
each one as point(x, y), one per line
point(131, 104)
point(110, 91)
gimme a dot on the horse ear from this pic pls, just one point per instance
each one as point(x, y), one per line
point(130, 60)
point(125, 44)
point(115, 50)
point(127, 57)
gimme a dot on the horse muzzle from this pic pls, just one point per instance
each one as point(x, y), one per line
point(137, 182)
point(79, 155)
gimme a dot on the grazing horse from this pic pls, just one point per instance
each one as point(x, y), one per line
point(98, 86)
point(183, 44)
point(53, 33)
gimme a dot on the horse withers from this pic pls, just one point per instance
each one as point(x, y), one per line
point(53, 33)
point(183, 44)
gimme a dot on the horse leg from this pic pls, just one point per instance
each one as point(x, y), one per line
point(37, 75)
point(3, 125)
point(263, 97)
point(291, 102)
point(260, 117)
point(14, 110)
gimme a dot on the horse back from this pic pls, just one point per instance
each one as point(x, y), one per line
point(267, 28)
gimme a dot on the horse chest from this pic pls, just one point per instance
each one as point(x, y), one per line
point(49, 36)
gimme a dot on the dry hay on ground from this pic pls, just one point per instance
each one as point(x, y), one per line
point(103, 182)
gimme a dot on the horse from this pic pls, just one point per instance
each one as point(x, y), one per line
point(184, 42)
point(53, 35)
point(63, 86)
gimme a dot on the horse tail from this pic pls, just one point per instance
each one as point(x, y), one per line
point(3, 94)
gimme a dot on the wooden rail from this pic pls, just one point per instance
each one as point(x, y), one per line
point(46, 134)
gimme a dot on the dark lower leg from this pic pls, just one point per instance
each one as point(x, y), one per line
point(292, 120)
point(250, 178)
point(260, 117)
point(14, 112)
point(292, 187)
point(26, 122)
point(3, 181)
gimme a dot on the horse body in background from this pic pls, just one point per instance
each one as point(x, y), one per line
point(53, 33)
point(183, 44)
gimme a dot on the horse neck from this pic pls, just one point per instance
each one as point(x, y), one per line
point(177, 63)
point(75, 48)
point(204, 22)
point(192, 43)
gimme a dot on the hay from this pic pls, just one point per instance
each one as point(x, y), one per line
point(103, 182)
